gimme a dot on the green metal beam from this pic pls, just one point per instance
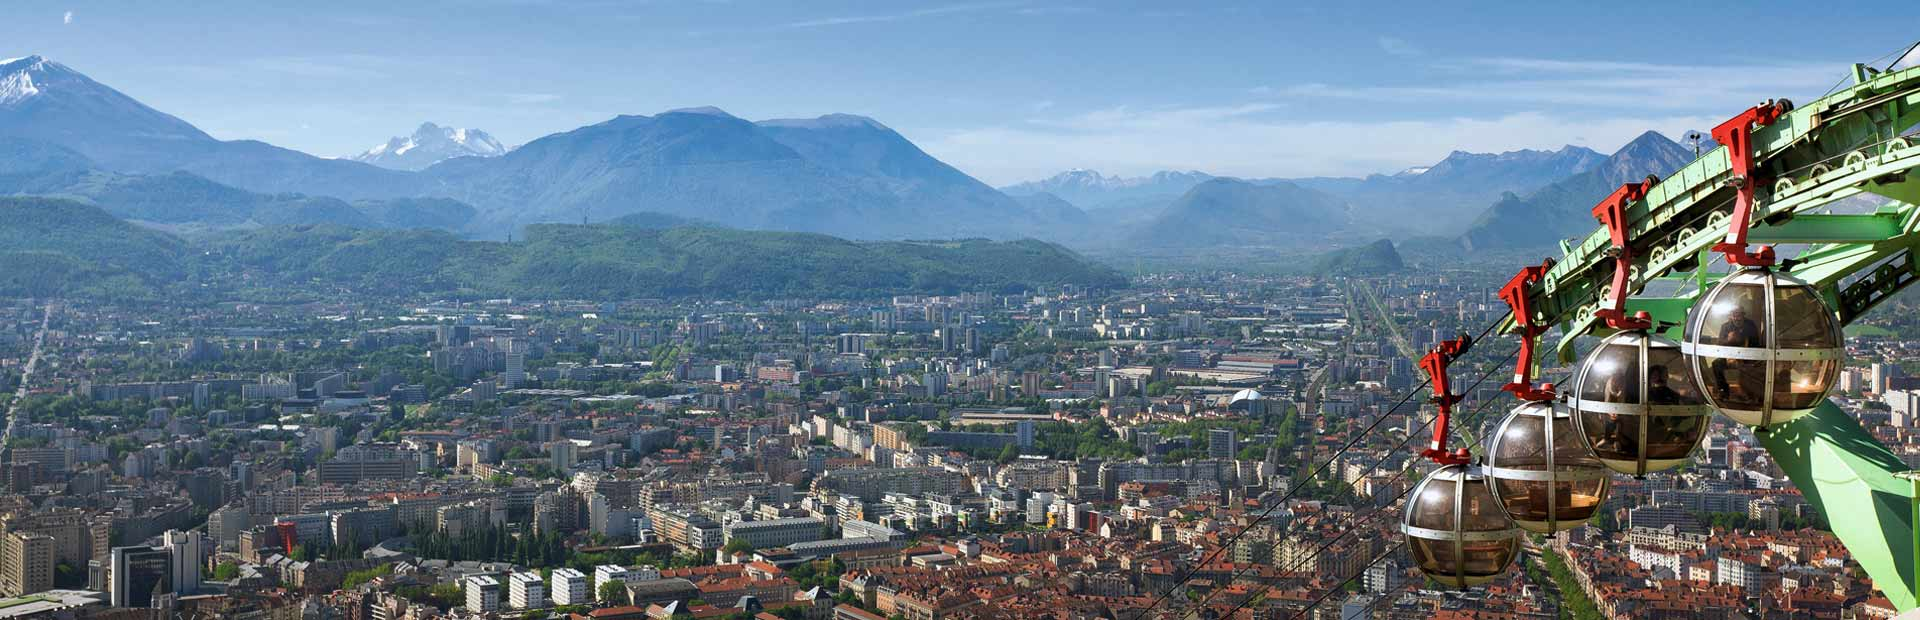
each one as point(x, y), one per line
point(1820, 228)
point(1855, 482)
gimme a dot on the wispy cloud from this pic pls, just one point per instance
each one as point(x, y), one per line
point(1055, 10)
point(318, 66)
point(1398, 47)
point(894, 17)
point(1602, 84)
point(532, 98)
point(67, 18)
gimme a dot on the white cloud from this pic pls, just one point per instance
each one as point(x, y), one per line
point(894, 17)
point(1398, 47)
point(67, 18)
point(532, 98)
point(1056, 10)
point(319, 66)
point(1627, 86)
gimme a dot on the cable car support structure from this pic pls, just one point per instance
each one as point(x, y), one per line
point(1778, 167)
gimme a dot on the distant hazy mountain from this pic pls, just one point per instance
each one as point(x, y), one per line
point(429, 145)
point(1088, 189)
point(1436, 199)
point(1230, 211)
point(186, 200)
point(1066, 223)
point(842, 175)
point(1565, 209)
point(1461, 169)
point(929, 191)
point(1441, 198)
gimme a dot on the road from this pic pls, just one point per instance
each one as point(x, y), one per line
point(1393, 329)
point(26, 374)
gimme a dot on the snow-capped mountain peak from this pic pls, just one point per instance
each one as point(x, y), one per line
point(17, 81)
point(429, 145)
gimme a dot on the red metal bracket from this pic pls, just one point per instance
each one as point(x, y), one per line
point(1435, 363)
point(1737, 135)
point(1612, 213)
point(1515, 294)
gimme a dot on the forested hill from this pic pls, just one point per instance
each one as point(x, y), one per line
point(78, 250)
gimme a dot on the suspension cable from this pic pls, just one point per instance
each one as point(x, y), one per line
point(1380, 509)
point(1268, 512)
point(1342, 586)
point(1315, 473)
point(1369, 564)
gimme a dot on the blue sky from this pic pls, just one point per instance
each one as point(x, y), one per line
point(1007, 91)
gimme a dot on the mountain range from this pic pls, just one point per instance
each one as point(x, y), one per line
point(1232, 212)
point(429, 145)
point(1090, 190)
point(64, 135)
point(1564, 208)
point(1436, 199)
point(846, 175)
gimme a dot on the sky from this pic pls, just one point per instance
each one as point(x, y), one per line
point(1005, 90)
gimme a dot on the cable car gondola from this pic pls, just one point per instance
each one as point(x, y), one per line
point(1542, 472)
point(1764, 346)
point(1457, 531)
point(1636, 405)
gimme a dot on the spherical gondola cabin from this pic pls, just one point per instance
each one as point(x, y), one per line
point(1542, 472)
point(1456, 530)
point(1764, 347)
point(1636, 404)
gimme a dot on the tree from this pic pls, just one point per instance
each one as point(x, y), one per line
point(737, 545)
point(614, 594)
point(1008, 454)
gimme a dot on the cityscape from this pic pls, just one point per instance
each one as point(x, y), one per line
point(667, 362)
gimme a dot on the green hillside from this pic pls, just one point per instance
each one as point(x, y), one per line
point(58, 247)
point(1375, 258)
point(61, 247)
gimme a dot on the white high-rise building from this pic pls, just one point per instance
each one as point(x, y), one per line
point(609, 573)
point(483, 594)
point(569, 587)
point(138, 573)
point(526, 591)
